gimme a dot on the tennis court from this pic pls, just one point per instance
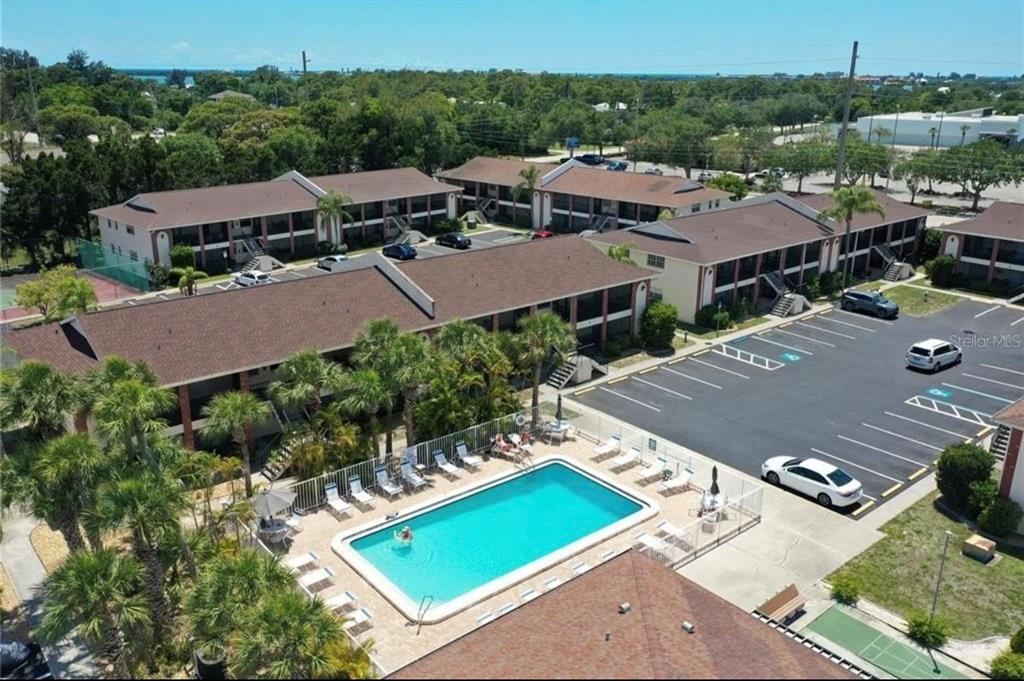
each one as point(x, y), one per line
point(876, 648)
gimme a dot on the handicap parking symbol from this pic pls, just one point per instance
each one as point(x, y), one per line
point(939, 392)
point(790, 357)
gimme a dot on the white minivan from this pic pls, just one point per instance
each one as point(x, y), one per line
point(933, 354)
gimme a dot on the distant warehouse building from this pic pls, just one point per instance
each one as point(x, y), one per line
point(922, 129)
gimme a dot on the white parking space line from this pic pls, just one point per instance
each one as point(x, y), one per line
point(728, 371)
point(806, 338)
point(1009, 371)
point(959, 436)
point(879, 450)
point(627, 397)
point(992, 380)
point(1015, 323)
point(659, 387)
point(985, 312)
point(829, 318)
point(834, 333)
point(876, 320)
point(855, 465)
point(782, 345)
point(693, 378)
point(902, 437)
point(978, 392)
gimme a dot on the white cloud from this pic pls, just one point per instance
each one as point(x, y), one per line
point(181, 46)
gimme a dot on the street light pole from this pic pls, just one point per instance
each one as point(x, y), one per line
point(938, 582)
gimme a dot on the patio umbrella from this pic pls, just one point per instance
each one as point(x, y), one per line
point(270, 502)
point(558, 412)
point(714, 481)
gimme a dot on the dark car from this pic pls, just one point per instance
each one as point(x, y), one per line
point(617, 165)
point(454, 240)
point(591, 159)
point(541, 234)
point(874, 303)
point(399, 251)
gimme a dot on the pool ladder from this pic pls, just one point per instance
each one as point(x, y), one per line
point(425, 604)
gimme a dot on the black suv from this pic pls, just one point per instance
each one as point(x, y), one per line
point(591, 159)
point(454, 240)
point(874, 303)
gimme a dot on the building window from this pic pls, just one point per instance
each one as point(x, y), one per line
point(561, 202)
point(438, 201)
point(129, 229)
point(420, 204)
point(695, 208)
point(133, 255)
point(581, 204)
point(656, 261)
point(656, 294)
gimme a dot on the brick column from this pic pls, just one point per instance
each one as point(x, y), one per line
point(604, 320)
point(291, 234)
point(572, 313)
point(1010, 465)
point(81, 421)
point(803, 262)
point(263, 228)
point(757, 278)
point(186, 417)
point(736, 282)
point(992, 260)
point(202, 246)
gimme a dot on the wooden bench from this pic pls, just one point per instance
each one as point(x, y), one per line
point(783, 605)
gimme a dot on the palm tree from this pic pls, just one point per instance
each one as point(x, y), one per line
point(375, 348)
point(115, 368)
point(882, 132)
point(542, 333)
point(302, 378)
point(131, 411)
point(97, 593)
point(621, 252)
point(964, 129)
point(847, 203)
point(414, 370)
point(332, 207)
point(345, 661)
point(36, 395)
point(362, 391)
point(285, 636)
point(187, 278)
point(530, 177)
point(933, 132)
point(231, 414)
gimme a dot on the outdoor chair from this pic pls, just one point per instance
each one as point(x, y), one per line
point(680, 482)
point(625, 460)
point(337, 506)
point(358, 620)
point(655, 469)
point(611, 446)
point(302, 562)
point(341, 602)
point(360, 495)
point(318, 579)
point(411, 477)
point(385, 483)
point(449, 469)
point(463, 455)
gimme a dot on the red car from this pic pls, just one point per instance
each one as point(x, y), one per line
point(541, 234)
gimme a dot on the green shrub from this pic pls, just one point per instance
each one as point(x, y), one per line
point(812, 287)
point(941, 270)
point(980, 495)
point(960, 465)
point(1017, 642)
point(614, 348)
point(845, 589)
point(1008, 665)
point(930, 244)
point(1001, 518)
point(159, 274)
point(658, 325)
point(927, 203)
point(830, 282)
point(930, 634)
point(741, 309)
point(182, 256)
point(710, 318)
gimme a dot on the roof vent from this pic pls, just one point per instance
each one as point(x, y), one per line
point(624, 607)
point(688, 627)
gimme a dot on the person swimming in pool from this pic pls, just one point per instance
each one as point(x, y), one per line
point(404, 535)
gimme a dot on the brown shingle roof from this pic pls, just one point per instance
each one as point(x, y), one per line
point(219, 333)
point(1001, 220)
point(895, 211)
point(493, 170)
point(1012, 415)
point(655, 190)
point(380, 185)
point(576, 631)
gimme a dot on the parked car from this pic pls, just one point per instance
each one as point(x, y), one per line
point(871, 302)
point(541, 234)
point(454, 240)
point(653, 171)
point(158, 132)
point(399, 251)
point(252, 278)
point(617, 165)
point(828, 484)
point(327, 262)
point(777, 172)
point(591, 159)
point(933, 354)
point(704, 176)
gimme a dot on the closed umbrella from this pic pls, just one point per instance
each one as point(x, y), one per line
point(558, 412)
point(270, 502)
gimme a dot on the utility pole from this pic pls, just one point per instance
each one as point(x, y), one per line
point(841, 154)
point(892, 146)
point(938, 582)
point(304, 62)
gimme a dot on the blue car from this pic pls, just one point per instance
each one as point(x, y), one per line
point(399, 251)
point(617, 165)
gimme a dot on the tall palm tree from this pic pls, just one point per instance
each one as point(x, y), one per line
point(332, 207)
point(36, 395)
point(187, 279)
point(964, 129)
point(362, 391)
point(847, 203)
point(131, 411)
point(302, 378)
point(542, 333)
point(97, 593)
point(285, 636)
point(114, 369)
point(231, 414)
point(376, 348)
point(414, 371)
point(530, 177)
point(934, 133)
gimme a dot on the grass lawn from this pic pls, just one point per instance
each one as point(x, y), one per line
point(898, 573)
point(919, 302)
point(695, 332)
point(981, 294)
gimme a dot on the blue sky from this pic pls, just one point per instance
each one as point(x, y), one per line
point(638, 36)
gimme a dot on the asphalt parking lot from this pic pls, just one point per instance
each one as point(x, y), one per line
point(832, 386)
point(497, 237)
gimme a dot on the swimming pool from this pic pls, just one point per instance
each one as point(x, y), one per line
point(486, 539)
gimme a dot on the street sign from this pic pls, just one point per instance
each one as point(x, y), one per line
point(572, 142)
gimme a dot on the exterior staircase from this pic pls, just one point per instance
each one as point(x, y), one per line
point(783, 305)
point(401, 225)
point(776, 283)
point(560, 376)
point(893, 272)
point(887, 255)
point(602, 223)
point(1000, 442)
point(486, 208)
point(278, 463)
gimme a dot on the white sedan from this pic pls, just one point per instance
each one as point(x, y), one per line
point(831, 486)
point(253, 278)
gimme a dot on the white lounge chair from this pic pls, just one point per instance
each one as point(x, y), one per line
point(386, 484)
point(679, 482)
point(552, 583)
point(528, 595)
point(358, 620)
point(361, 496)
point(673, 534)
point(411, 477)
point(652, 471)
point(318, 579)
point(611, 446)
point(626, 459)
point(607, 555)
point(484, 618)
point(580, 568)
point(342, 601)
point(447, 467)
point(507, 608)
point(295, 522)
point(302, 562)
point(463, 455)
point(337, 506)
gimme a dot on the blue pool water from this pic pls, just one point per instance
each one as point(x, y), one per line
point(465, 544)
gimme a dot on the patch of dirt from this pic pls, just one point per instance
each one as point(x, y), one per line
point(12, 618)
point(49, 545)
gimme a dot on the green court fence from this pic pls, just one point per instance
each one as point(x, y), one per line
point(94, 258)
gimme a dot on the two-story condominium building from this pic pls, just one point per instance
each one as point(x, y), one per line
point(229, 340)
point(989, 248)
point(231, 223)
point(758, 248)
point(573, 196)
